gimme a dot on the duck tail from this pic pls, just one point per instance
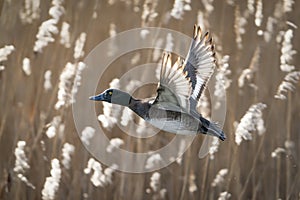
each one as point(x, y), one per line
point(215, 130)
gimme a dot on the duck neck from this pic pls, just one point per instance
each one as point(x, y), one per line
point(140, 107)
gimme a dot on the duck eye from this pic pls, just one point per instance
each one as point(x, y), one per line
point(110, 93)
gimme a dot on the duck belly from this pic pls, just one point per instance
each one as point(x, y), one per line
point(182, 126)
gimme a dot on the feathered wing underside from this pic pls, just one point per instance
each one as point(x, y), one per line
point(174, 89)
point(199, 63)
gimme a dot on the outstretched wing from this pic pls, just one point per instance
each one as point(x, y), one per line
point(174, 89)
point(199, 64)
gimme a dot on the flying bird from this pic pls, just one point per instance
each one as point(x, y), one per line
point(178, 92)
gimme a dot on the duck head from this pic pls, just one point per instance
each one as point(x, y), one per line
point(113, 96)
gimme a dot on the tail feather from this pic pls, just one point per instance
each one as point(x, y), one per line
point(215, 130)
point(212, 128)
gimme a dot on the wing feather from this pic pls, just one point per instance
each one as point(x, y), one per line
point(200, 63)
point(173, 88)
point(183, 83)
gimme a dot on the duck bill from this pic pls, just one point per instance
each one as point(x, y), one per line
point(99, 97)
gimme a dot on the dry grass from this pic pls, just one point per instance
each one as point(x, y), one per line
point(26, 109)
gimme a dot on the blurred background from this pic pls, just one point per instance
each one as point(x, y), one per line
point(42, 48)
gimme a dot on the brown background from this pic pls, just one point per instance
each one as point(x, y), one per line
point(253, 173)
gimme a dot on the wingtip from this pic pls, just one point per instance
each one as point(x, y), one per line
point(169, 61)
point(198, 35)
point(164, 58)
point(197, 32)
point(164, 55)
point(210, 40)
point(207, 36)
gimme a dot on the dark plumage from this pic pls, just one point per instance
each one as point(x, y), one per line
point(178, 92)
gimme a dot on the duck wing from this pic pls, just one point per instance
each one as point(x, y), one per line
point(199, 64)
point(174, 88)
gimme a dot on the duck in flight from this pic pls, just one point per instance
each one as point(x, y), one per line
point(178, 92)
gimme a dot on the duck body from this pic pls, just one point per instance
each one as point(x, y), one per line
point(166, 117)
point(178, 92)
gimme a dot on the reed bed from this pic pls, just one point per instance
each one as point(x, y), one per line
point(42, 156)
